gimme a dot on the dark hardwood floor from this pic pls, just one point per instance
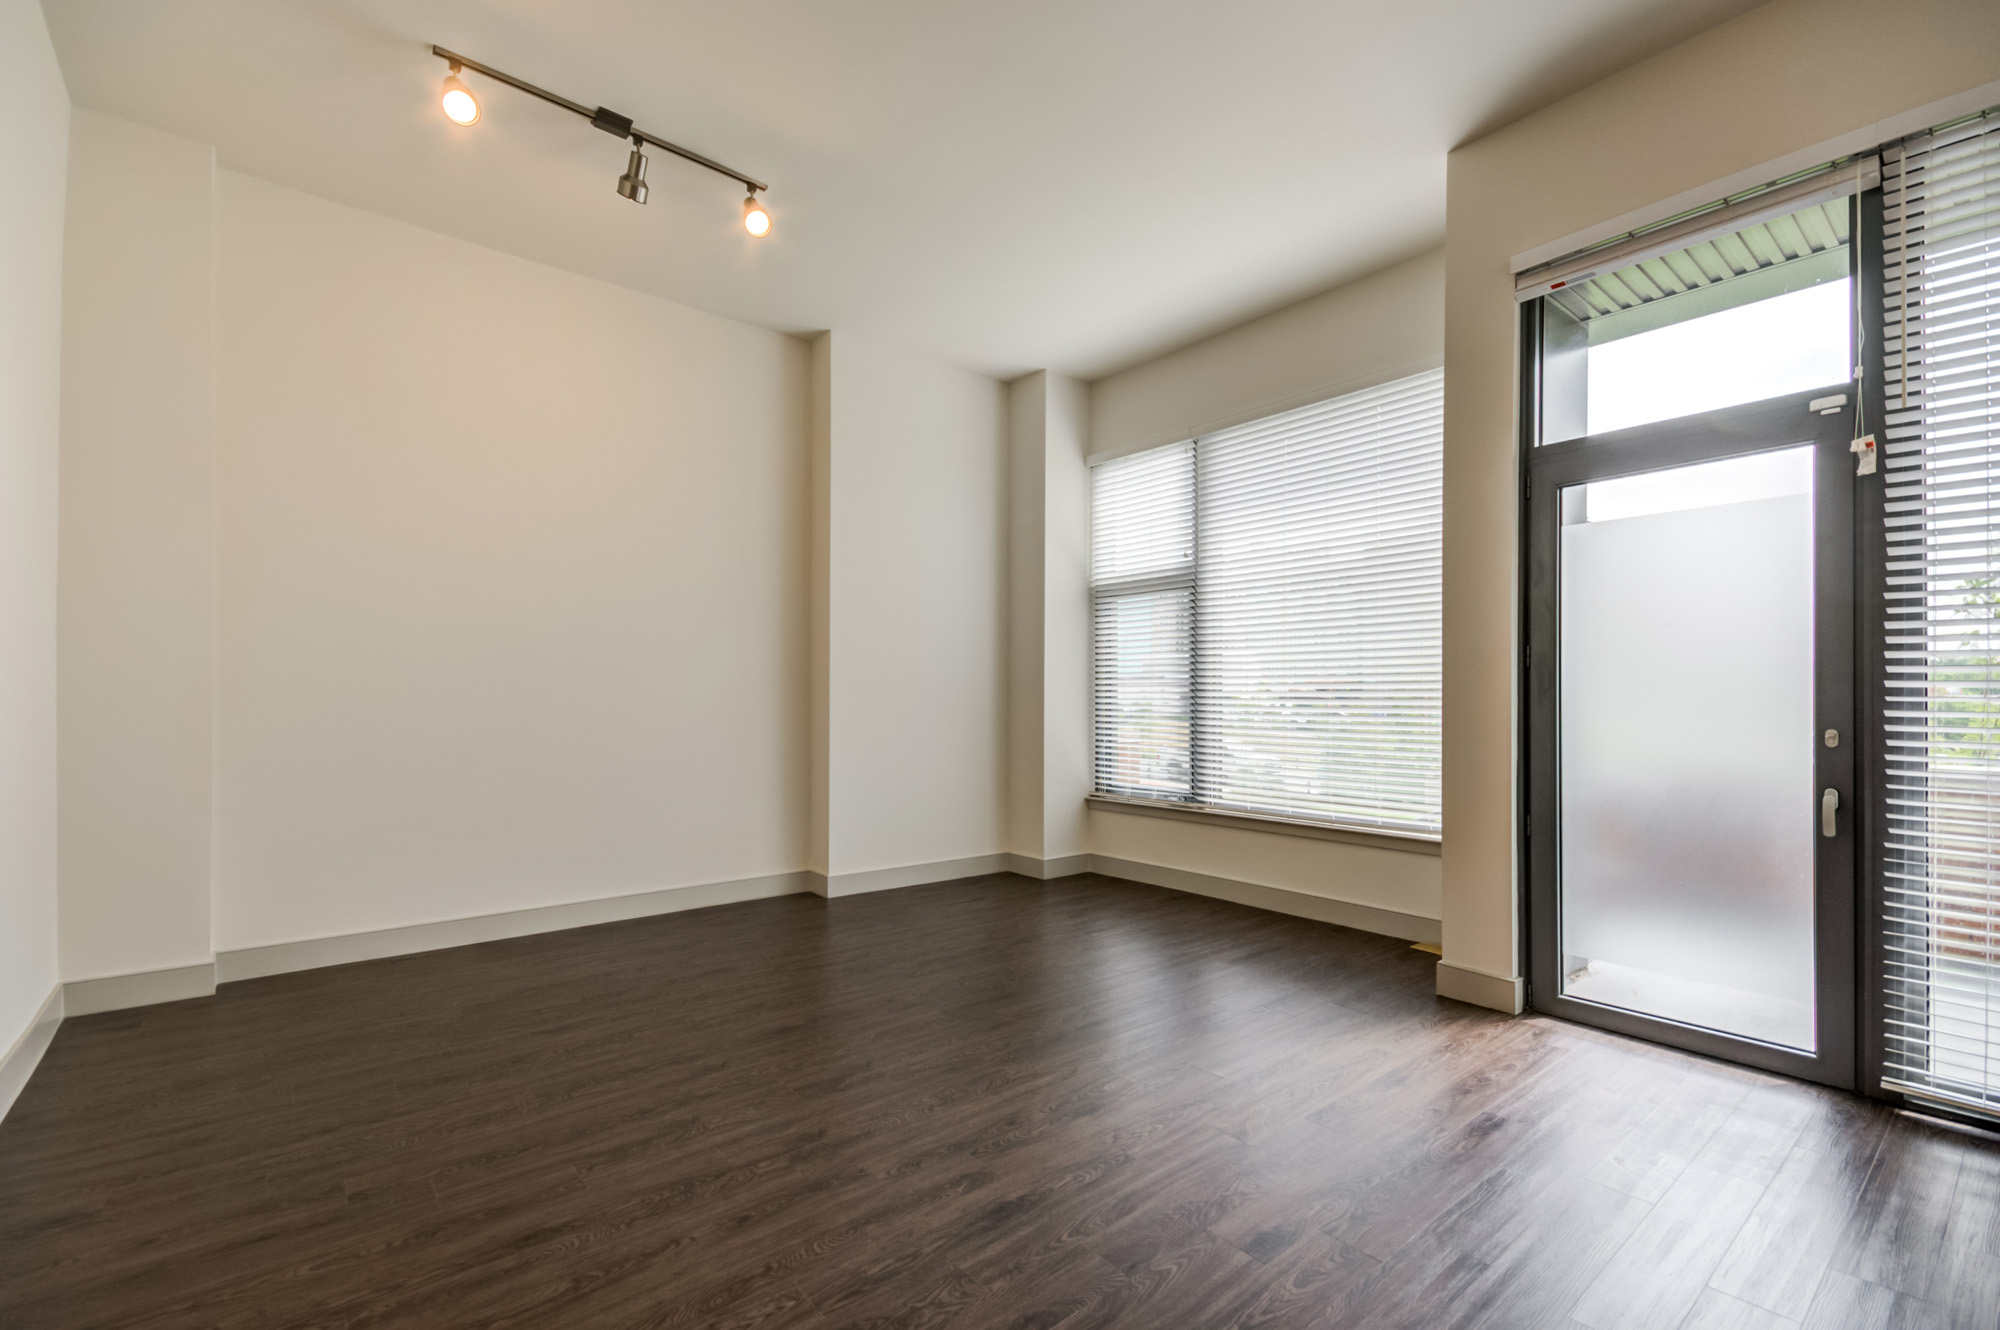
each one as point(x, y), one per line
point(989, 1103)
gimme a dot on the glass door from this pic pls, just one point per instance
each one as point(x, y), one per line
point(1685, 655)
point(1762, 688)
point(1691, 720)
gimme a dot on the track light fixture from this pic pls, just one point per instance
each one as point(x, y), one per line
point(460, 106)
point(463, 108)
point(632, 185)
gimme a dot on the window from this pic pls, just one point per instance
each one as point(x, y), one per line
point(1268, 614)
point(1741, 315)
point(1778, 345)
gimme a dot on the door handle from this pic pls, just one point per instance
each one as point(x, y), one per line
point(1827, 803)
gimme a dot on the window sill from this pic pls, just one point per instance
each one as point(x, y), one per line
point(1283, 826)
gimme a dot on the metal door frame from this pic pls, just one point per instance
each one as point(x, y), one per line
point(1735, 431)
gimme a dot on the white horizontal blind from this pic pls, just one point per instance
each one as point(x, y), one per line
point(1942, 872)
point(1142, 535)
point(1306, 612)
point(1319, 604)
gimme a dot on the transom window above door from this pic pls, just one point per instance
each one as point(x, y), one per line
point(1743, 315)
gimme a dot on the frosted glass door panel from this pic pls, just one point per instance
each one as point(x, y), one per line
point(1688, 807)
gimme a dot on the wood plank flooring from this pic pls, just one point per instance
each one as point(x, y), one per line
point(995, 1103)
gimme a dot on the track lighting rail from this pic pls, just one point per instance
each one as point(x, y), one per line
point(606, 119)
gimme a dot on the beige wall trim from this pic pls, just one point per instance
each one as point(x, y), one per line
point(1068, 865)
point(82, 997)
point(1278, 900)
point(1283, 826)
point(26, 1054)
point(285, 957)
point(1466, 984)
point(909, 875)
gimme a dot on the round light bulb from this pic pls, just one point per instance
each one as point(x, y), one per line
point(458, 102)
point(755, 219)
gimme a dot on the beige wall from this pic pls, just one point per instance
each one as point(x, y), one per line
point(34, 146)
point(138, 550)
point(1382, 327)
point(1767, 92)
point(512, 581)
point(1402, 882)
point(910, 477)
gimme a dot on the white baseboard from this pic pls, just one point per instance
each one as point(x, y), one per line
point(1481, 989)
point(94, 995)
point(1278, 900)
point(1068, 865)
point(285, 957)
point(909, 875)
point(84, 997)
point(26, 1054)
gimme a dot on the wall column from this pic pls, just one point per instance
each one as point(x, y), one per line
point(1048, 701)
point(909, 626)
point(136, 581)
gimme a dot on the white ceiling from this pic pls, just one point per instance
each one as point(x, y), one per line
point(1069, 184)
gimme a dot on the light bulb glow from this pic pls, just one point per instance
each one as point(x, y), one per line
point(460, 106)
point(755, 220)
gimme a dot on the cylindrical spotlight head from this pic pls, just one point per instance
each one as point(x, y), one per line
point(756, 220)
point(632, 185)
point(460, 106)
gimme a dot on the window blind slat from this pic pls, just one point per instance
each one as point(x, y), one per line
point(1941, 871)
point(1297, 670)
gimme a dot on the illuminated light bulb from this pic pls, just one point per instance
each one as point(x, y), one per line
point(756, 220)
point(460, 106)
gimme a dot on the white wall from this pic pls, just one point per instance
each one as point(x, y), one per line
point(34, 148)
point(1787, 85)
point(913, 482)
point(410, 582)
point(819, 669)
point(1379, 328)
point(138, 550)
point(513, 571)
